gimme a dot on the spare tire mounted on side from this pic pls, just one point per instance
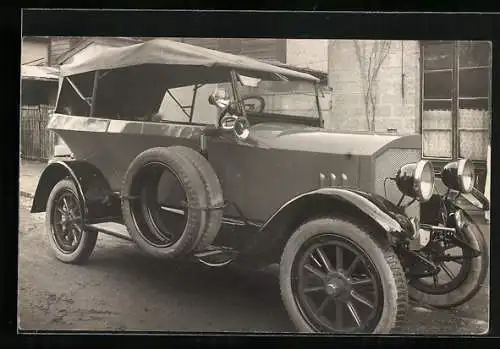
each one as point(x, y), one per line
point(171, 201)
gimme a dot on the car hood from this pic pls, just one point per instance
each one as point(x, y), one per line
point(313, 139)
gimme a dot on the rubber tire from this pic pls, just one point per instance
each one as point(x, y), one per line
point(89, 238)
point(381, 254)
point(213, 191)
point(195, 195)
point(472, 284)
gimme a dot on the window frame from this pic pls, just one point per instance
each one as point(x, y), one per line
point(455, 95)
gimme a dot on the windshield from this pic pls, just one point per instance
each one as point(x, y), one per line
point(280, 96)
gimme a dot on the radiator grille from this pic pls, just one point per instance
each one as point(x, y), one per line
point(387, 165)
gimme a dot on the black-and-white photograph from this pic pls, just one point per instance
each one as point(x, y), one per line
point(256, 185)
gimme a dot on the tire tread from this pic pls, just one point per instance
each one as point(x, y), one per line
point(213, 191)
point(399, 298)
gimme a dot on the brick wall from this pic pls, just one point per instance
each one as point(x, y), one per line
point(396, 107)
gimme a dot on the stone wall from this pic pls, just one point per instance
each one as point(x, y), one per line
point(396, 88)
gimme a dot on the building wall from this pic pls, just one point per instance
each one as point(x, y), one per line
point(258, 48)
point(307, 53)
point(89, 50)
point(266, 49)
point(34, 50)
point(396, 91)
point(36, 92)
point(82, 45)
point(58, 46)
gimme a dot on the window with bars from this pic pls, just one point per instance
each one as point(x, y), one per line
point(456, 113)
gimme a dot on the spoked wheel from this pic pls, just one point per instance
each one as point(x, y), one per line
point(461, 272)
point(67, 221)
point(336, 296)
point(70, 242)
point(336, 278)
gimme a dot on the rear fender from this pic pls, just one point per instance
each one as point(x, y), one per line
point(93, 189)
point(386, 221)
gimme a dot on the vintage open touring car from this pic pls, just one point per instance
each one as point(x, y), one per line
point(220, 158)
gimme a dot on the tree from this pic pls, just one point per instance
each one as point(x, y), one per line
point(369, 66)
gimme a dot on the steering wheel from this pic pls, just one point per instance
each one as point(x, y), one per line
point(262, 103)
point(224, 111)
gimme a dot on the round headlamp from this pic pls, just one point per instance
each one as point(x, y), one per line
point(459, 175)
point(416, 180)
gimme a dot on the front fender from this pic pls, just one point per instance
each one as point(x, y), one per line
point(93, 189)
point(386, 220)
point(379, 210)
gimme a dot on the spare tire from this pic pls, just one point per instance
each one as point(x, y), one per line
point(214, 195)
point(142, 210)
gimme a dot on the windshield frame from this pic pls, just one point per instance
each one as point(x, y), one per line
point(240, 106)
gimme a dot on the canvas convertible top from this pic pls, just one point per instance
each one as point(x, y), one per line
point(42, 73)
point(167, 52)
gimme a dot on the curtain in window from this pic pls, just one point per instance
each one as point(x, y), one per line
point(473, 132)
point(456, 99)
point(436, 133)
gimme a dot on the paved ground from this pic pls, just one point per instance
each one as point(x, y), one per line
point(29, 173)
point(121, 289)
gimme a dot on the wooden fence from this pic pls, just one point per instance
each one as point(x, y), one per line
point(37, 143)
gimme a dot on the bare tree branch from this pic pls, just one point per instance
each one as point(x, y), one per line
point(360, 55)
point(369, 75)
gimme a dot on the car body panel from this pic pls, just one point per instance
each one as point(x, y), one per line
point(387, 215)
point(284, 158)
point(276, 163)
point(97, 199)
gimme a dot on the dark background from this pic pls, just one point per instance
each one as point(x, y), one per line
point(400, 26)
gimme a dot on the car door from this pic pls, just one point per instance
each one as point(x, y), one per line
point(259, 179)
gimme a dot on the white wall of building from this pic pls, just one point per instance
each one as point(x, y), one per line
point(90, 50)
point(397, 90)
point(307, 53)
point(34, 51)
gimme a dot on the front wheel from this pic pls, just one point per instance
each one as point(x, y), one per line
point(460, 275)
point(335, 277)
point(69, 241)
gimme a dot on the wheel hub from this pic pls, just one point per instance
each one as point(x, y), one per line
point(332, 289)
point(64, 219)
point(337, 286)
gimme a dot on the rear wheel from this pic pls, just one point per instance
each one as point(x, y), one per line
point(335, 277)
point(69, 241)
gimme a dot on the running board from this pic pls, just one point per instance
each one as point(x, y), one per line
point(110, 228)
point(228, 255)
point(213, 250)
point(120, 231)
point(225, 220)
